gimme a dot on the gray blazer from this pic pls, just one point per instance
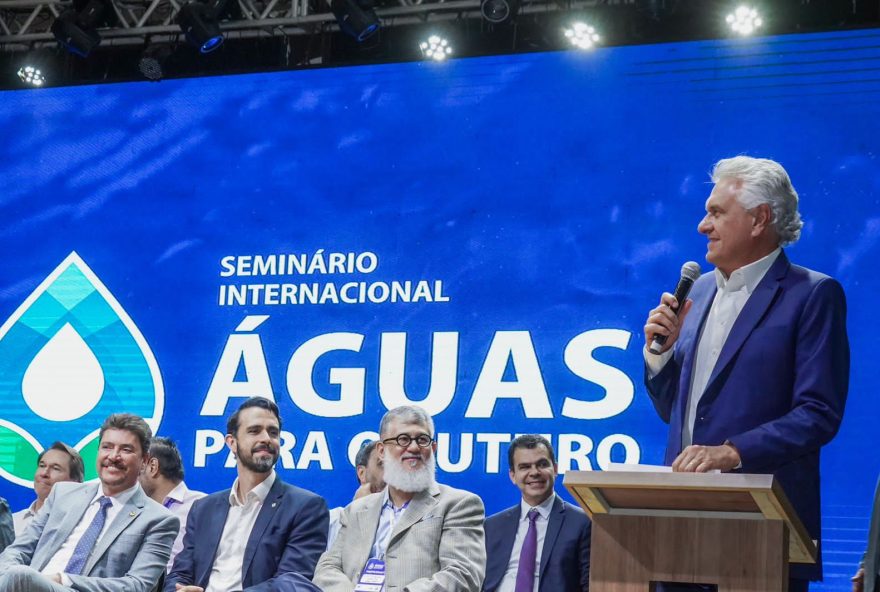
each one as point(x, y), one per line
point(871, 560)
point(437, 545)
point(130, 556)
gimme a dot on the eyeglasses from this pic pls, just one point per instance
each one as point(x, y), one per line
point(404, 440)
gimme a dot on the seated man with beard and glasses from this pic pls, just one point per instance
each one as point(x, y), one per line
point(415, 535)
point(262, 534)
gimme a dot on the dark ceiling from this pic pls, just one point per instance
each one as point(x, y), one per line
point(323, 45)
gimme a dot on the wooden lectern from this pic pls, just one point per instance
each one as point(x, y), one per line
point(738, 532)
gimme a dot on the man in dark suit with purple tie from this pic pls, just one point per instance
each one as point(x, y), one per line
point(755, 371)
point(542, 544)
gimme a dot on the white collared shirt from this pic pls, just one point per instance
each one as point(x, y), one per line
point(179, 501)
point(22, 518)
point(59, 561)
point(228, 563)
point(508, 583)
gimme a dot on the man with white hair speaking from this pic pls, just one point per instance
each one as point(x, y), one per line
point(415, 535)
point(755, 370)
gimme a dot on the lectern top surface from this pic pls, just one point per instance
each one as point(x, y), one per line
point(697, 495)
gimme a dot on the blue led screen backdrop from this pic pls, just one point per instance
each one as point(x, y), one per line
point(484, 237)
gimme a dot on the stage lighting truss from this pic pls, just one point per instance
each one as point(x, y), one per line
point(27, 23)
point(582, 35)
point(436, 48)
point(744, 21)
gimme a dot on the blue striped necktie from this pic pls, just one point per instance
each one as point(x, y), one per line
point(89, 538)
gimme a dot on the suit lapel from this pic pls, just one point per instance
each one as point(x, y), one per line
point(417, 509)
point(78, 506)
point(508, 533)
point(554, 525)
point(700, 310)
point(367, 524)
point(755, 309)
point(213, 528)
point(127, 514)
point(264, 518)
point(499, 555)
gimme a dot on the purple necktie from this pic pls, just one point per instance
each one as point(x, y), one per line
point(525, 573)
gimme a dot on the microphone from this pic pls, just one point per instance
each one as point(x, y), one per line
point(690, 271)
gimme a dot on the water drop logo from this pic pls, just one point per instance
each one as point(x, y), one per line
point(70, 356)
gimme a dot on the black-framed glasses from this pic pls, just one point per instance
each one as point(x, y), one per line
point(404, 440)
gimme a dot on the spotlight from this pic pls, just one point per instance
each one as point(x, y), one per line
point(436, 48)
point(744, 21)
point(582, 35)
point(152, 62)
point(355, 17)
point(199, 22)
point(76, 28)
point(31, 75)
point(498, 11)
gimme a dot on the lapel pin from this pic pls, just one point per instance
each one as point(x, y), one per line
point(132, 514)
point(274, 504)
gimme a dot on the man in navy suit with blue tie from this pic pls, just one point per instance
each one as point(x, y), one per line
point(542, 544)
point(755, 371)
point(262, 535)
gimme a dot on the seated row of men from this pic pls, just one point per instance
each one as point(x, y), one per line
point(140, 528)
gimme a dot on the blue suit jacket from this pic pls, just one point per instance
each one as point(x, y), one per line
point(779, 387)
point(565, 557)
point(287, 539)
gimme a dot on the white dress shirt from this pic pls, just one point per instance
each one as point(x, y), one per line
point(22, 518)
point(732, 295)
point(226, 573)
point(179, 500)
point(59, 561)
point(508, 583)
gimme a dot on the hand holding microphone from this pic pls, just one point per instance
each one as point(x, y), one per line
point(664, 322)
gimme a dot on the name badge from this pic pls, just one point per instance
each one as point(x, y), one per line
point(372, 578)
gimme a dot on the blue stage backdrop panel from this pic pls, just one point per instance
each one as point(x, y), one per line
point(168, 248)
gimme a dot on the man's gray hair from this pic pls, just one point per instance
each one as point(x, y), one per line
point(407, 414)
point(764, 182)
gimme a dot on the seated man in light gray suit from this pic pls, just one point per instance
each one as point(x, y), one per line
point(418, 535)
point(96, 537)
